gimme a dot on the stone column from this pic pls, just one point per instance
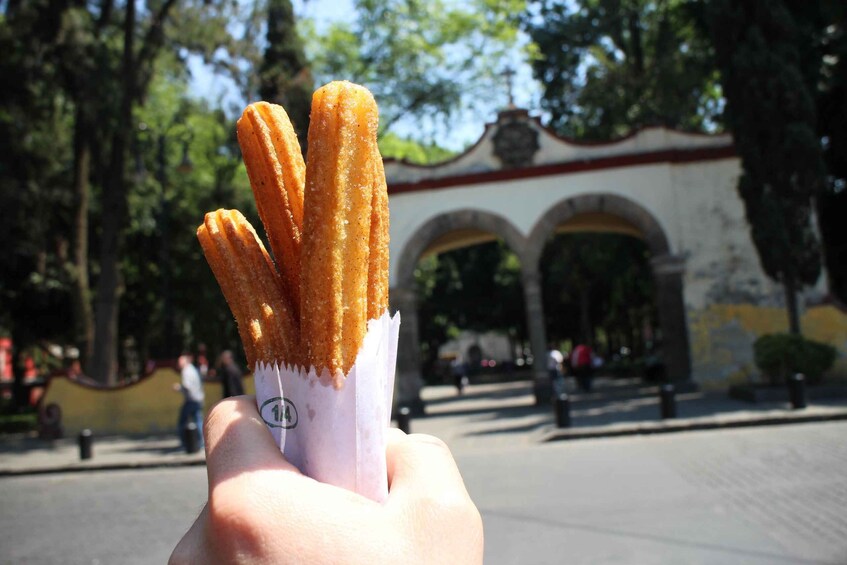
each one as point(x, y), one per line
point(668, 271)
point(534, 305)
point(408, 382)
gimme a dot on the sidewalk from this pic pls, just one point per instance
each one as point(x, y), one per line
point(25, 455)
point(486, 416)
point(494, 415)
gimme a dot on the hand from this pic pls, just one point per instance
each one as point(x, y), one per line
point(176, 387)
point(261, 509)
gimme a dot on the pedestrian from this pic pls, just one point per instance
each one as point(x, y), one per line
point(191, 386)
point(202, 360)
point(581, 361)
point(230, 375)
point(555, 361)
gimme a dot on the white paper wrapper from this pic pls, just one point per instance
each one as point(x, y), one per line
point(336, 435)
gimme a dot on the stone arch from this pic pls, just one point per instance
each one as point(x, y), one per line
point(668, 269)
point(624, 208)
point(448, 222)
point(403, 297)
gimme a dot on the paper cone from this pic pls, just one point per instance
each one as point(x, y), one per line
point(336, 435)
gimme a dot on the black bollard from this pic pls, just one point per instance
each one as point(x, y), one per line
point(667, 394)
point(563, 411)
point(85, 439)
point(404, 417)
point(460, 384)
point(797, 391)
point(191, 438)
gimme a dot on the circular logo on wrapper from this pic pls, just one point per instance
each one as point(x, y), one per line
point(279, 412)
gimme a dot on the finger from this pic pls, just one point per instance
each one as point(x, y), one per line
point(237, 441)
point(192, 547)
point(422, 465)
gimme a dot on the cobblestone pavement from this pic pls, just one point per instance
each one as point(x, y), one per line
point(769, 495)
point(764, 495)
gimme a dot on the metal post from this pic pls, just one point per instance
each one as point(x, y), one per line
point(563, 411)
point(797, 391)
point(404, 417)
point(85, 439)
point(461, 382)
point(667, 394)
point(191, 437)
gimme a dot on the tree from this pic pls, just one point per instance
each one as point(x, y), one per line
point(823, 26)
point(771, 112)
point(85, 68)
point(284, 73)
point(393, 146)
point(421, 60)
point(474, 288)
point(611, 66)
point(598, 283)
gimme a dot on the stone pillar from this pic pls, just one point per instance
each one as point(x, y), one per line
point(408, 382)
point(534, 305)
point(668, 271)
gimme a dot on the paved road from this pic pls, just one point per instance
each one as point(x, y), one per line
point(765, 495)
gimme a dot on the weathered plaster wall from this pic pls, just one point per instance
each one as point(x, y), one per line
point(523, 202)
point(729, 300)
point(722, 337)
point(149, 406)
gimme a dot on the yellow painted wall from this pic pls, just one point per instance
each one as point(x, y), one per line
point(722, 337)
point(150, 406)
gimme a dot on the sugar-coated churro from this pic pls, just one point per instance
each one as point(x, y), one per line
point(251, 286)
point(378, 260)
point(337, 225)
point(327, 226)
point(277, 174)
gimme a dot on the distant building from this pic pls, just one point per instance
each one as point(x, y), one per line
point(676, 191)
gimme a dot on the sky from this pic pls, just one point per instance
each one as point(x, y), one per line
point(468, 125)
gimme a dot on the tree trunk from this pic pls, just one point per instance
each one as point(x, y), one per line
point(81, 291)
point(104, 363)
point(791, 306)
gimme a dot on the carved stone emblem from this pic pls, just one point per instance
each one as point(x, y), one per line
point(515, 144)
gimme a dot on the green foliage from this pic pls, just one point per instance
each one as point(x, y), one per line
point(771, 112)
point(72, 102)
point(781, 355)
point(611, 66)
point(595, 281)
point(216, 178)
point(284, 73)
point(392, 146)
point(35, 203)
point(422, 60)
point(474, 288)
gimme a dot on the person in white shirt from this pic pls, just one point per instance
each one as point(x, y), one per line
point(555, 360)
point(191, 386)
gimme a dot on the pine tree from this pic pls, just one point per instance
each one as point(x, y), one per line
point(284, 73)
point(771, 113)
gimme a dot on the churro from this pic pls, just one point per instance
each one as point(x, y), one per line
point(340, 176)
point(251, 286)
point(327, 226)
point(277, 174)
point(378, 260)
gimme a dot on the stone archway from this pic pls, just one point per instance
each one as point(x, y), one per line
point(403, 294)
point(668, 269)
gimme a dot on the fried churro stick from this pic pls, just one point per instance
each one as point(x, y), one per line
point(277, 174)
point(340, 173)
point(378, 260)
point(252, 287)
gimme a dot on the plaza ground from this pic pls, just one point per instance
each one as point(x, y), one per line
point(775, 494)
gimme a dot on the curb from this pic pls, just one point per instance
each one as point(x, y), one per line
point(691, 425)
point(130, 466)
